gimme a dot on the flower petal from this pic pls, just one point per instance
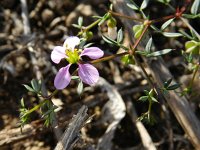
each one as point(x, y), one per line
point(57, 54)
point(71, 42)
point(62, 78)
point(92, 52)
point(88, 73)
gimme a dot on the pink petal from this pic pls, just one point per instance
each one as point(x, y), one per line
point(57, 54)
point(88, 73)
point(62, 78)
point(92, 52)
point(71, 42)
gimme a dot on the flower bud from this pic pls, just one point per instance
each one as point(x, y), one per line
point(88, 35)
point(112, 32)
point(111, 22)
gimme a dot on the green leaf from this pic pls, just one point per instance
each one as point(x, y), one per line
point(186, 35)
point(167, 23)
point(173, 87)
point(22, 102)
point(144, 53)
point(191, 16)
point(169, 34)
point(143, 98)
point(127, 59)
point(192, 46)
point(103, 19)
point(159, 53)
point(167, 83)
point(164, 1)
point(109, 40)
point(154, 99)
point(76, 26)
point(80, 88)
point(80, 21)
point(144, 4)
point(133, 6)
point(28, 88)
point(119, 36)
point(88, 45)
point(75, 77)
point(137, 29)
point(148, 46)
point(195, 7)
point(35, 85)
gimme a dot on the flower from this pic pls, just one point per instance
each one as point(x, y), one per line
point(112, 32)
point(87, 73)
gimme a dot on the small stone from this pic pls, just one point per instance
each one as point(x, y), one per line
point(47, 16)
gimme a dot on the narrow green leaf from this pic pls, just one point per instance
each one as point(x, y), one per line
point(28, 88)
point(80, 88)
point(143, 98)
point(173, 87)
point(154, 99)
point(191, 16)
point(144, 4)
point(167, 83)
point(35, 85)
point(169, 34)
point(88, 45)
point(167, 23)
point(148, 46)
point(75, 77)
point(186, 35)
point(164, 1)
point(109, 40)
point(133, 6)
point(195, 7)
point(144, 53)
point(76, 26)
point(22, 102)
point(119, 36)
point(159, 53)
point(80, 21)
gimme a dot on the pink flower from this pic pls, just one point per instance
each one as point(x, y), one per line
point(87, 73)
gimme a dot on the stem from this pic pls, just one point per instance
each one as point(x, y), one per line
point(109, 57)
point(148, 23)
point(190, 27)
point(35, 108)
point(50, 96)
point(194, 75)
point(163, 19)
point(125, 16)
point(149, 109)
point(91, 25)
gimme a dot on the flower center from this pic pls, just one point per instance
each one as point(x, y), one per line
point(73, 56)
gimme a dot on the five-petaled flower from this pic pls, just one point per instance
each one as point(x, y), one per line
point(87, 73)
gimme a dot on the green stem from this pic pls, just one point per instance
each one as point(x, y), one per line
point(35, 108)
point(149, 109)
point(194, 75)
point(190, 27)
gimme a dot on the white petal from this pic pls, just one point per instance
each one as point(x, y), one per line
point(71, 42)
point(57, 54)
